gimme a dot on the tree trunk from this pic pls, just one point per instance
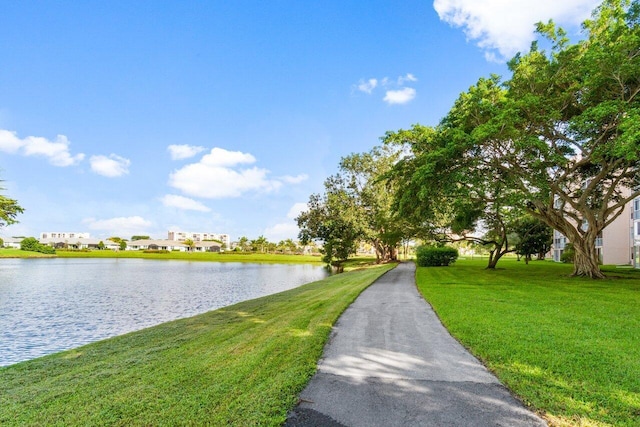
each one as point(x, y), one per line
point(496, 254)
point(585, 261)
point(393, 253)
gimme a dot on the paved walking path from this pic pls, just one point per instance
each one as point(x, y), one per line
point(390, 362)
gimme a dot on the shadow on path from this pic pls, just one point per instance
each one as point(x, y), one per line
point(390, 362)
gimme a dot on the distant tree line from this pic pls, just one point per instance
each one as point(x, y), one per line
point(262, 245)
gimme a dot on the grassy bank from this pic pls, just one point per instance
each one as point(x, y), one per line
point(186, 256)
point(17, 253)
point(569, 347)
point(197, 256)
point(241, 365)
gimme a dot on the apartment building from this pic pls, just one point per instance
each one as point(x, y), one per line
point(199, 237)
point(64, 235)
point(617, 244)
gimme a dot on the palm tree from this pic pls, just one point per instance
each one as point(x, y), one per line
point(190, 244)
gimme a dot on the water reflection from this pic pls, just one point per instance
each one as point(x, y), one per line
point(49, 305)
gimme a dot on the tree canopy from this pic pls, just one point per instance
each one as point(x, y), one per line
point(559, 140)
point(356, 207)
point(9, 210)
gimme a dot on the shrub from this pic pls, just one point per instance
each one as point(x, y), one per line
point(568, 254)
point(431, 256)
point(32, 244)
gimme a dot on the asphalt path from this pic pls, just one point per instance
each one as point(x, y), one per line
point(390, 362)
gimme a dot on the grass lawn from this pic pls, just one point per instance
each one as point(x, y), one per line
point(241, 365)
point(197, 256)
point(568, 347)
point(17, 253)
point(187, 256)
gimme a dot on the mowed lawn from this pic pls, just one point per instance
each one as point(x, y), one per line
point(568, 347)
point(242, 365)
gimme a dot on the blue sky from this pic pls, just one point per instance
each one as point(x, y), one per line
point(122, 118)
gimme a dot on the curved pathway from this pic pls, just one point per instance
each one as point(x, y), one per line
point(390, 362)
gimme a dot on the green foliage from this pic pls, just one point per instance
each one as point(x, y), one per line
point(559, 139)
point(568, 254)
point(190, 244)
point(535, 237)
point(1, 242)
point(139, 237)
point(566, 346)
point(31, 244)
point(123, 245)
point(330, 220)
point(436, 256)
point(356, 207)
point(9, 210)
point(243, 365)
point(101, 245)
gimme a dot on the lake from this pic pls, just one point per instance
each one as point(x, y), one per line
point(50, 305)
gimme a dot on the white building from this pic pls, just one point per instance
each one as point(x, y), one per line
point(200, 237)
point(172, 245)
point(617, 244)
point(64, 235)
point(78, 243)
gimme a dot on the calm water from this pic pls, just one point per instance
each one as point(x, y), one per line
point(49, 305)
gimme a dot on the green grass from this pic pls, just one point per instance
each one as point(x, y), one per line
point(17, 253)
point(197, 256)
point(242, 365)
point(568, 347)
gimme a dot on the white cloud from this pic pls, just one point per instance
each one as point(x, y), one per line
point(214, 182)
point(181, 202)
point(286, 229)
point(396, 90)
point(120, 226)
point(295, 179)
point(112, 166)
point(503, 28)
point(219, 175)
point(56, 151)
point(296, 210)
point(401, 96)
point(407, 78)
point(282, 231)
point(179, 152)
point(367, 86)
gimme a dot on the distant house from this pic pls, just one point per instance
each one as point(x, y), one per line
point(12, 242)
point(199, 237)
point(78, 243)
point(207, 247)
point(155, 245)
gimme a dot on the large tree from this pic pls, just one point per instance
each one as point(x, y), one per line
point(330, 219)
point(361, 177)
point(449, 192)
point(357, 207)
point(9, 210)
point(563, 134)
point(534, 238)
point(571, 137)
